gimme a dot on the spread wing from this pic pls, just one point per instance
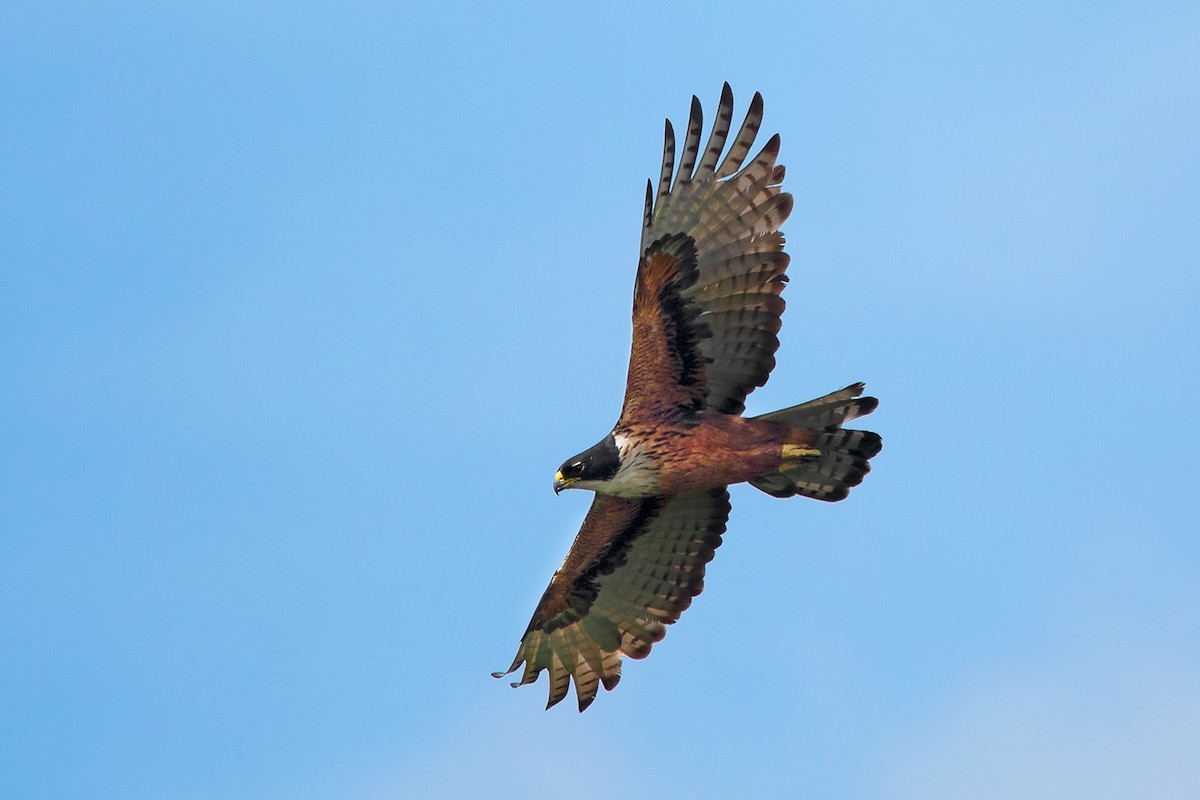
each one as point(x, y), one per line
point(706, 300)
point(633, 569)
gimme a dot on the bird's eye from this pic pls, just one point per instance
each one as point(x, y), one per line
point(576, 468)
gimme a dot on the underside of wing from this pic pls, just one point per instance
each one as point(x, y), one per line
point(633, 569)
point(729, 211)
point(666, 364)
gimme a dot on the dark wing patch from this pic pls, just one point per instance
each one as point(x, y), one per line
point(633, 569)
point(731, 214)
point(666, 365)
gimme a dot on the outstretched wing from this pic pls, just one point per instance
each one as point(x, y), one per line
point(633, 569)
point(707, 308)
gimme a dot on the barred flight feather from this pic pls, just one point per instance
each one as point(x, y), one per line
point(601, 630)
point(744, 271)
point(767, 243)
point(744, 139)
point(739, 302)
point(761, 324)
point(648, 211)
point(668, 163)
point(716, 140)
point(691, 144)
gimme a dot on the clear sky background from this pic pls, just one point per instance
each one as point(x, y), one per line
point(301, 304)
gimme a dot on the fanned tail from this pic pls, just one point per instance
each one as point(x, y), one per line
point(841, 458)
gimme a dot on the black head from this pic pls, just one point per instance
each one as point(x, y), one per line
point(594, 465)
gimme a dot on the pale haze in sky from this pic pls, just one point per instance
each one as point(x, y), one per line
point(302, 305)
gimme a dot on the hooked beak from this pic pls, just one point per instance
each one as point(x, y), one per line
point(561, 483)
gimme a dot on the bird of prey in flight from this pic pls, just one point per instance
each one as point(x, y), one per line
point(706, 318)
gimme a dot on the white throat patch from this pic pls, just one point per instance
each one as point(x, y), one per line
point(638, 474)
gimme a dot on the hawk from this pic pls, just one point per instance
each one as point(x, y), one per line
point(706, 315)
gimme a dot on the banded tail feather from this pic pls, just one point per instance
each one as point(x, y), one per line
point(844, 456)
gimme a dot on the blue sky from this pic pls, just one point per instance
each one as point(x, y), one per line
point(302, 304)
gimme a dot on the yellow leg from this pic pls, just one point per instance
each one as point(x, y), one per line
point(795, 452)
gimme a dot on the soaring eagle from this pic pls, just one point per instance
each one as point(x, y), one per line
point(706, 311)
